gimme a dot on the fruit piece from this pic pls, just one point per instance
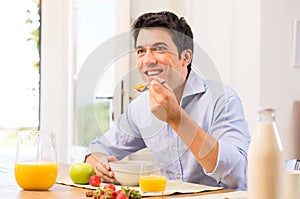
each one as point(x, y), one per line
point(122, 196)
point(80, 172)
point(97, 193)
point(109, 193)
point(110, 186)
point(126, 191)
point(89, 194)
point(134, 194)
point(95, 181)
point(130, 193)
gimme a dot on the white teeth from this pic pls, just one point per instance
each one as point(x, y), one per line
point(156, 72)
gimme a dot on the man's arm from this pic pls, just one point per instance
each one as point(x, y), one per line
point(116, 143)
point(165, 106)
point(201, 144)
point(222, 151)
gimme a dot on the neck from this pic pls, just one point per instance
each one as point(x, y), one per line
point(179, 91)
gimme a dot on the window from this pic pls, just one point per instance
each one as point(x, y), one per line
point(94, 24)
point(61, 64)
point(19, 70)
point(96, 21)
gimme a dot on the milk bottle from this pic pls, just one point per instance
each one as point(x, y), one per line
point(265, 159)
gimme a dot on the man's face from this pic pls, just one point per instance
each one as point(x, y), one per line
point(157, 55)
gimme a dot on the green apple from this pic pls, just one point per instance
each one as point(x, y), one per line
point(80, 172)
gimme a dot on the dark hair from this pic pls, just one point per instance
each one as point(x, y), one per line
point(180, 31)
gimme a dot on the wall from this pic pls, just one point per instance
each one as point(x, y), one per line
point(279, 81)
point(56, 72)
point(229, 31)
point(246, 56)
point(250, 43)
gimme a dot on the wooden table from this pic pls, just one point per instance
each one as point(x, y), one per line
point(9, 189)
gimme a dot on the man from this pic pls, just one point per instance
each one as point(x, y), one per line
point(195, 128)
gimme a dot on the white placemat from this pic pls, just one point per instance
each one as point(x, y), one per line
point(230, 195)
point(172, 187)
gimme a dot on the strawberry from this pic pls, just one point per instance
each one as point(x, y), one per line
point(130, 194)
point(122, 196)
point(135, 194)
point(126, 191)
point(95, 181)
point(89, 194)
point(119, 191)
point(110, 186)
point(109, 193)
point(97, 193)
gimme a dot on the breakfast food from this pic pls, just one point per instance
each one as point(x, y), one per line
point(80, 172)
point(95, 181)
point(153, 183)
point(139, 87)
point(109, 191)
point(28, 175)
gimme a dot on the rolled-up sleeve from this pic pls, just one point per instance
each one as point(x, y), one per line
point(120, 140)
point(231, 130)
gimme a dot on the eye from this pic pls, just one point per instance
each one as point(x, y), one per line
point(140, 51)
point(159, 49)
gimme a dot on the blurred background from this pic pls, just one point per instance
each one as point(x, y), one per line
point(253, 45)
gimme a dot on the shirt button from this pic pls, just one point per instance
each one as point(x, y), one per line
point(178, 176)
point(173, 148)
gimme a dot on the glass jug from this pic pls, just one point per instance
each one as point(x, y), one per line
point(36, 165)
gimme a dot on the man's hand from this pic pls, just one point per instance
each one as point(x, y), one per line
point(100, 163)
point(163, 102)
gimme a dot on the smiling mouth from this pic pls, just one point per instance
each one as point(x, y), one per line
point(153, 72)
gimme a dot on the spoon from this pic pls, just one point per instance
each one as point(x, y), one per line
point(144, 87)
point(141, 88)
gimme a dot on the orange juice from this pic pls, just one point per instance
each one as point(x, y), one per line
point(35, 175)
point(153, 183)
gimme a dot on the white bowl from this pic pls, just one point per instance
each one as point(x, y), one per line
point(127, 173)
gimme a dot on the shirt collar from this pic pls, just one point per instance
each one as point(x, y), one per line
point(194, 85)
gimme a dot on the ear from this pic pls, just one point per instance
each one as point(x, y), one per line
point(186, 57)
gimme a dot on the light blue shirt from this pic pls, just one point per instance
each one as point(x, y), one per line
point(215, 107)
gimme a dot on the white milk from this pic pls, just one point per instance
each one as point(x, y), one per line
point(292, 185)
point(265, 159)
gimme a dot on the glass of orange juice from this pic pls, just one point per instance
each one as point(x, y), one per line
point(36, 164)
point(153, 182)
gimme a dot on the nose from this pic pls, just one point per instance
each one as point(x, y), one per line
point(149, 58)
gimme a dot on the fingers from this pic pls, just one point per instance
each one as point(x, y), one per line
point(103, 169)
point(111, 159)
point(160, 93)
point(106, 174)
point(159, 84)
point(159, 100)
point(157, 79)
point(163, 102)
